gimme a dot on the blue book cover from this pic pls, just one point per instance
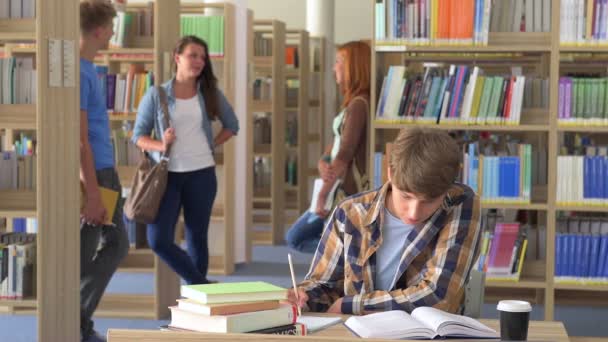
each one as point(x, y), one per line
point(578, 255)
point(602, 265)
point(587, 177)
point(570, 255)
point(598, 164)
point(594, 255)
point(558, 257)
point(586, 255)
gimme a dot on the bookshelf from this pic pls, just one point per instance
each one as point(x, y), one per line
point(269, 37)
point(316, 119)
point(538, 53)
point(297, 113)
point(57, 167)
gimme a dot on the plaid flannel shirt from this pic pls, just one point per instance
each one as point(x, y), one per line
point(433, 268)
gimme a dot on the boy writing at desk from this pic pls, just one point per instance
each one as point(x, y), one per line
point(410, 243)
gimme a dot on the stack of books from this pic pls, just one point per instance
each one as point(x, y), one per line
point(246, 307)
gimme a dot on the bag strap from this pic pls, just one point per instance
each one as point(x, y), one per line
point(162, 94)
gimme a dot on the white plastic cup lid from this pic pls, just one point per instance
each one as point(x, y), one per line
point(514, 306)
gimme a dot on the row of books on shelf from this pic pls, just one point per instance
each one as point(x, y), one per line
point(499, 179)
point(459, 95)
point(209, 28)
point(248, 307)
point(16, 9)
point(503, 252)
point(18, 166)
point(17, 80)
point(262, 172)
point(581, 258)
point(457, 21)
point(123, 92)
point(25, 225)
point(583, 22)
point(17, 265)
point(262, 90)
point(583, 100)
point(581, 250)
point(132, 23)
point(125, 151)
point(582, 180)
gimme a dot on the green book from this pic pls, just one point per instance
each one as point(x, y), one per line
point(488, 85)
point(233, 292)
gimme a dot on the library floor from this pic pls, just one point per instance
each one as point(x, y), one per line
point(579, 321)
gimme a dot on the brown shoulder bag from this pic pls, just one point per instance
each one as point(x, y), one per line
point(150, 181)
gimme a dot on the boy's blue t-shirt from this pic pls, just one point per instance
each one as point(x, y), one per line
point(93, 102)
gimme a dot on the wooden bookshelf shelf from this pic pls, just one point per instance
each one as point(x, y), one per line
point(123, 116)
point(581, 287)
point(17, 30)
point(378, 124)
point(582, 208)
point(262, 149)
point(262, 199)
point(126, 51)
point(262, 62)
point(582, 129)
point(262, 237)
point(126, 306)
point(23, 201)
point(498, 42)
point(584, 48)
point(524, 283)
point(18, 116)
point(523, 206)
point(261, 106)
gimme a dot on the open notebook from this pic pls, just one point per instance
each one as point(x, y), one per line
point(423, 323)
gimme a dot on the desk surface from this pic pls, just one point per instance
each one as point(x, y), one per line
point(539, 331)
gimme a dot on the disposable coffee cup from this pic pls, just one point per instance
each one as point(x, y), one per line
point(514, 319)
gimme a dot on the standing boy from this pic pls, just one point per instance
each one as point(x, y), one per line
point(102, 246)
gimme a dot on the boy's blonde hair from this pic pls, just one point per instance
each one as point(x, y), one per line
point(95, 13)
point(424, 161)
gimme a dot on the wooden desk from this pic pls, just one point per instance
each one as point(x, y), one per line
point(539, 331)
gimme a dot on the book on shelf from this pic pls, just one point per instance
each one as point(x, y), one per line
point(422, 323)
point(233, 292)
point(225, 308)
point(235, 323)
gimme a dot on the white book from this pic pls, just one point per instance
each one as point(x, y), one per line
point(315, 195)
point(423, 323)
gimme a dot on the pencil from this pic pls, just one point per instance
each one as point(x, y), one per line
point(293, 281)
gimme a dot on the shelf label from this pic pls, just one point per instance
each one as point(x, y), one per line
point(55, 64)
point(69, 63)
